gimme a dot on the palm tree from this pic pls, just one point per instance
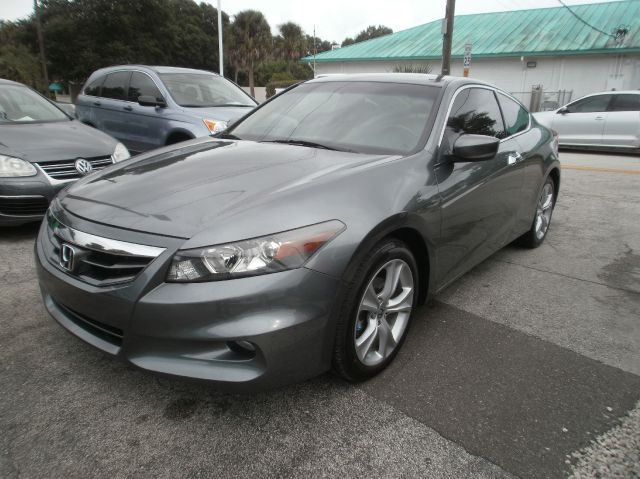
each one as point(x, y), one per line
point(250, 36)
point(292, 43)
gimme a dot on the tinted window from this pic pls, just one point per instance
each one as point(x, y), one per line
point(93, 88)
point(115, 85)
point(142, 85)
point(364, 117)
point(23, 105)
point(626, 102)
point(590, 105)
point(475, 111)
point(204, 90)
point(516, 117)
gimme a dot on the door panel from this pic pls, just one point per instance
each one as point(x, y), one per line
point(109, 109)
point(146, 124)
point(583, 122)
point(623, 122)
point(479, 199)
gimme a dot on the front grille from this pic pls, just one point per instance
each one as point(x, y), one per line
point(104, 331)
point(23, 205)
point(99, 268)
point(93, 259)
point(66, 169)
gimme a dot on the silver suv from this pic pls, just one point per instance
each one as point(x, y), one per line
point(148, 107)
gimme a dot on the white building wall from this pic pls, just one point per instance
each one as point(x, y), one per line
point(582, 74)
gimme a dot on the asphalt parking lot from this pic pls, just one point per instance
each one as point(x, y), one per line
point(528, 366)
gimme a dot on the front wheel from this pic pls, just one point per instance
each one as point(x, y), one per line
point(541, 222)
point(376, 311)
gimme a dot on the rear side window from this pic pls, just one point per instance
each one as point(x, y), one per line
point(625, 102)
point(142, 85)
point(93, 88)
point(593, 104)
point(475, 111)
point(115, 86)
point(516, 117)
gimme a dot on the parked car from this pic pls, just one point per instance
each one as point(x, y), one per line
point(304, 236)
point(607, 121)
point(42, 150)
point(148, 107)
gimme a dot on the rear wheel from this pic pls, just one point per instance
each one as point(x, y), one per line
point(376, 312)
point(542, 220)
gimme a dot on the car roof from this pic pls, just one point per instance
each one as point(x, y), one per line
point(156, 69)
point(615, 92)
point(413, 78)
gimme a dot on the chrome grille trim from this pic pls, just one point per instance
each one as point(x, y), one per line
point(66, 169)
point(98, 243)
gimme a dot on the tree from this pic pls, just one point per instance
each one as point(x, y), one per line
point(250, 36)
point(368, 33)
point(291, 43)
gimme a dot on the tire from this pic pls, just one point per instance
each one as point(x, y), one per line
point(362, 318)
point(544, 211)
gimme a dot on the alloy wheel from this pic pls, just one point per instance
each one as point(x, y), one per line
point(544, 210)
point(384, 312)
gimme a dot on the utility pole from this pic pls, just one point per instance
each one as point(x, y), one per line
point(43, 59)
point(315, 50)
point(447, 36)
point(220, 49)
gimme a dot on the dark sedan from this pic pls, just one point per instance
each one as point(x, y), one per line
point(305, 236)
point(43, 149)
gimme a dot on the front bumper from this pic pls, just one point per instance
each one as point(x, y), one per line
point(24, 200)
point(190, 330)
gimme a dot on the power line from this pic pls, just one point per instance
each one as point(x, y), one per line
point(615, 37)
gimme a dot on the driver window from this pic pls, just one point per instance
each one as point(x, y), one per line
point(593, 104)
point(475, 111)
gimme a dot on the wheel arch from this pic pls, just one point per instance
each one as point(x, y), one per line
point(410, 229)
point(178, 135)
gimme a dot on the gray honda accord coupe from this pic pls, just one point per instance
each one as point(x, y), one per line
point(305, 236)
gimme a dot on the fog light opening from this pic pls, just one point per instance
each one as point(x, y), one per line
point(245, 348)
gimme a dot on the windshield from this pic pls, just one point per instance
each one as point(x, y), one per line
point(19, 104)
point(365, 117)
point(203, 90)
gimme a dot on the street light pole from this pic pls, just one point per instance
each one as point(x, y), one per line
point(43, 59)
point(447, 36)
point(220, 49)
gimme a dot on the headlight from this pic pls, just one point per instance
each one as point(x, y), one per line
point(215, 126)
point(268, 254)
point(11, 167)
point(120, 153)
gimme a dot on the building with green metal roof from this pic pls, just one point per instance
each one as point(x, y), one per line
point(580, 49)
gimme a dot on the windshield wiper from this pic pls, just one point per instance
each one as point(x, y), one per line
point(310, 144)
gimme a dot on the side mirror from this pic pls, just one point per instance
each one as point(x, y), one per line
point(147, 100)
point(475, 148)
point(563, 111)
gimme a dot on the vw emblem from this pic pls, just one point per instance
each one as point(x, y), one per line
point(83, 166)
point(67, 257)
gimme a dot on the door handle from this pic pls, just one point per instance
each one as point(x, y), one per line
point(599, 117)
point(513, 158)
point(97, 103)
point(128, 108)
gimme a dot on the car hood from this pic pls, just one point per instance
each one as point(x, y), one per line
point(54, 141)
point(224, 113)
point(182, 191)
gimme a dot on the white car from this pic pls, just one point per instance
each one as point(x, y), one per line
point(609, 120)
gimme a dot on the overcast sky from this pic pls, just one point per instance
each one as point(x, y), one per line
point(336, 19)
